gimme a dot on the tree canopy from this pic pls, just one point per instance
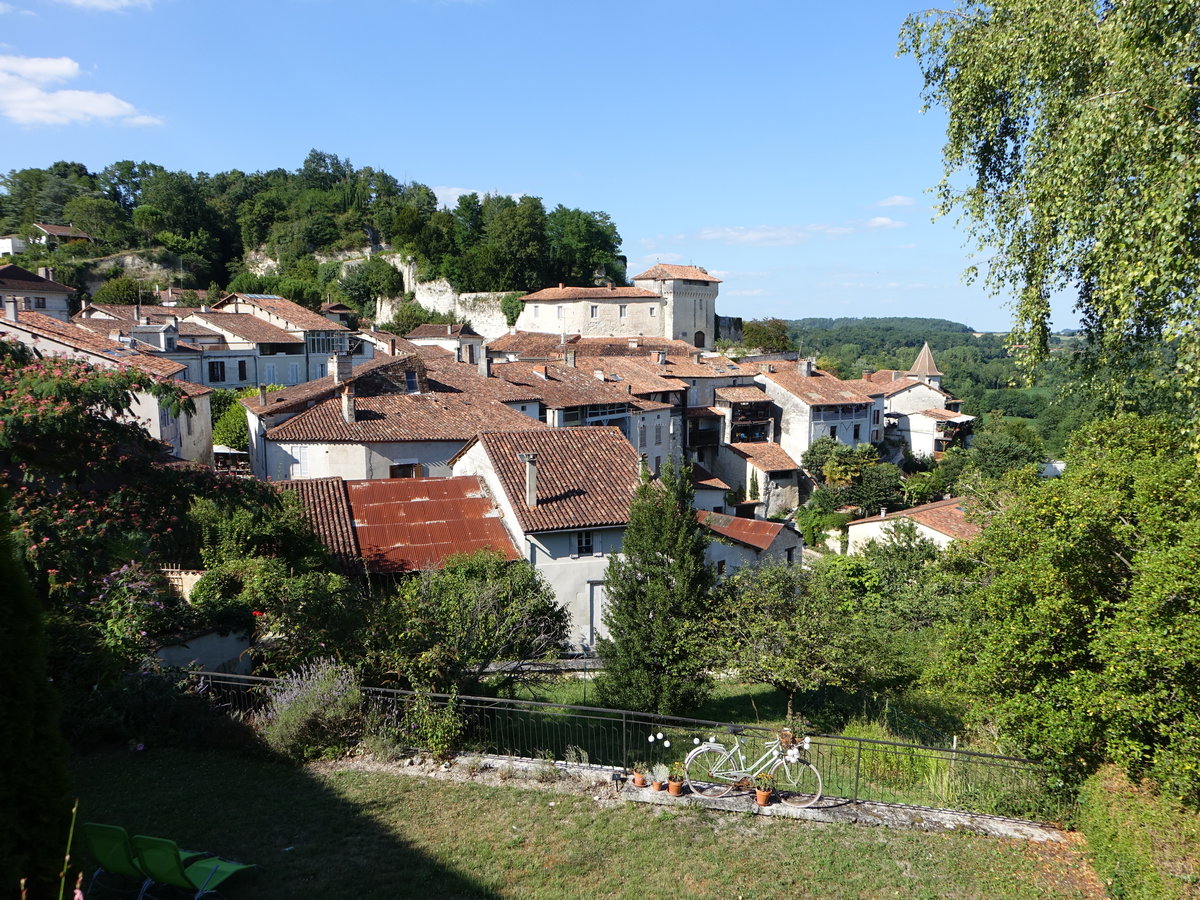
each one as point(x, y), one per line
point(1072, 153)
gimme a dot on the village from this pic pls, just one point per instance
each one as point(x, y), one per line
point(529, 440)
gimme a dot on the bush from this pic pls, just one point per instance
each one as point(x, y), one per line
point(314, 712)
point(436, 729)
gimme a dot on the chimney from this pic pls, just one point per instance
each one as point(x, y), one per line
point(11, 310)
point(540, 372)
point(530, 460)
point(867, 373)
point(807, 366)
point(766, 368)
point(696, 357)
point(660, 357)
point(612, 286)
point(560, 285)
point(569, 358)
point(883, 512)
point(204, 308)
point(633, 343)
point(114, 334)
point(485, 365)
point(341, 367)
point(348, 404)
point(599, 373)
point(262, 394)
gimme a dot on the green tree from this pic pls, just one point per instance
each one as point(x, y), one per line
point(656, 654)
point(123, 290)
point(445, 628)
point(1071, 150)
point(512, 306)
point(34, 786)
point(580, 245)
point(103, 219)
point(768, 335)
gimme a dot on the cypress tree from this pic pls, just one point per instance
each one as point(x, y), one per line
point(659, 592)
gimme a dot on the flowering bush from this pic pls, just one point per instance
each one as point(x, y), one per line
point(314, 711)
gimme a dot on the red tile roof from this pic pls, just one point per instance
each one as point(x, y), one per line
point(666, 272)
point(591, 293)
point(562, 386)
point(293, 313)
point(65, 231)
point(415, 524)
point(443, 331)
point(945, 415)
point(400, 418)
point(14, 278)
point(924, 364)
point(639, 373)
point(946, 516)
point(86, 341)
point(531, 344)
point(586, 476)
point(446, 374)
point(247, 327)
point(301, 396)
point(822, 388)
point(743, 394)
point(765, 456)
point(705, 480)
point(756, 533)
point(327, 508)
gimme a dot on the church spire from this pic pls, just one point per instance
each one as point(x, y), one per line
point(924, 369)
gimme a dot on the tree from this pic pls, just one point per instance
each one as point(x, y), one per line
point(1073, 127)
point(656, 654)
point(768, 335)
point(580, 245)
point(443, 630)
point(34, 787)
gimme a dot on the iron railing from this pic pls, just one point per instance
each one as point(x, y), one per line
point(854, 770)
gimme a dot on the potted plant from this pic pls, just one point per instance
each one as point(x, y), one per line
point(639, 774)
point(658, 776)
point(764, 787)
point(675, 781)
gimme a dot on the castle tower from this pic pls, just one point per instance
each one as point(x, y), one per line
point(689, 301)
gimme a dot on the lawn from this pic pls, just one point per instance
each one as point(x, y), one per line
point(344, 832)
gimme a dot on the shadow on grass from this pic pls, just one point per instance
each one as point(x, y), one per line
point(309, 838)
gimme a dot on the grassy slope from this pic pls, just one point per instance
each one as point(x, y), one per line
point(365, 834)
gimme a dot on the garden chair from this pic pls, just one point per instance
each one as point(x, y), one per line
point(163, 863)
point(114, 855)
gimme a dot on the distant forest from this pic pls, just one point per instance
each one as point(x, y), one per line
point(204, 225)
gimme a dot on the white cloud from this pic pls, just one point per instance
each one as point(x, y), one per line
point(109, 5)
point(880, 222)
point(448, 196)
point(897, 200)
point(7, 8)
point(24, 97)
point(771, 235)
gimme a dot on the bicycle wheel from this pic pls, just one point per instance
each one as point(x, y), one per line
point(709, 772)
point(798, 782)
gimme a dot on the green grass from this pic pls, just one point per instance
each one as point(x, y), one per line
point(350, 833)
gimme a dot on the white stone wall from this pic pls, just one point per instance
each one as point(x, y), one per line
point(916, 398)
point(642, 317)
point(286, 460)
point(879, 530)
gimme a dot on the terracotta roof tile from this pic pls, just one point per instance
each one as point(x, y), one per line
point(702, 478)
point(398, 418)
point(757, 533)
point(586, 476)
point(822, 388)
point(591, 293)
point(443, 331)
point(327, 508)
point(65, 231)
point(86, 341)
point(293, 313)
point(667, 272)
point(14, 278)
point(531, 344)
point(301, 396)
point(743, 394)
point(946, 516)
point(765, 456)
point(246, 326)
point(561, 386)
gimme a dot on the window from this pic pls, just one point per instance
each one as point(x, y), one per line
point(170, 342)
point(657, 434)
point(657, 465)
point(410, 381)
point(653, 311)
point(833, 432)
point(404, 470)
point(216, 370)
point(269, 373)
point(720, 567)
point(595, 312)
point(583, 543)
point(875, 421)
point(535, 310)
point(642, 435)
point(561, 312)
point(790, 555)
point(39, 302)
point(293, 373)
point(242, 370)
point(857, 431)
point(623, 311)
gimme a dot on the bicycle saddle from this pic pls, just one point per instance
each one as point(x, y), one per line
point(735, 729)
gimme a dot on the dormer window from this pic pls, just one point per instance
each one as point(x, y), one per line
point(411, 383)
point(583, 543)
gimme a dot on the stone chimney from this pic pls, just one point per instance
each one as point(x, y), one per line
point(766, 368)
point(530, 460)
point(540, 372)
point(807, 366)
point(12, 309)
point(659, 357)
point(867, 373)
point(341, 367)
point(696, 357)
point(599, 373)
point(569, 358)
point(262, 394)
point(348, 404)
point(485, 365)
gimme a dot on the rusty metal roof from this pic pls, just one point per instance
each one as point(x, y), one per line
point(414, 524)
point(757, 533)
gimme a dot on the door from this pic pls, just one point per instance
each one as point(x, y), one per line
point(597, 604)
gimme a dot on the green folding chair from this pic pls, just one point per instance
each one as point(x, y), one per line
point(163, 863)
point(114, 855)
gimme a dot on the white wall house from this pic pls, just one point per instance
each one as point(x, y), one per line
point(564, 496)
point(942, 522)
point(23, 290)
point(739, 542)
point(814, 404)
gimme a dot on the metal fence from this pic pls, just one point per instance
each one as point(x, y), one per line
point(853, 769)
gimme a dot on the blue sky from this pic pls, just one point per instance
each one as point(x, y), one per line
point(778, 144)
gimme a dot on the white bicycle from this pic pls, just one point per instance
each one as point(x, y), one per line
point(713, 770)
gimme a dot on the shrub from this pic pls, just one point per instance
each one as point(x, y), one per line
point(314, 711)
point(436, 729)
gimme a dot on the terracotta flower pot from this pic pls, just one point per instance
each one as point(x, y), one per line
point(639, 780)
point(657, 785)
point(762, 798)
point(675, 788)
